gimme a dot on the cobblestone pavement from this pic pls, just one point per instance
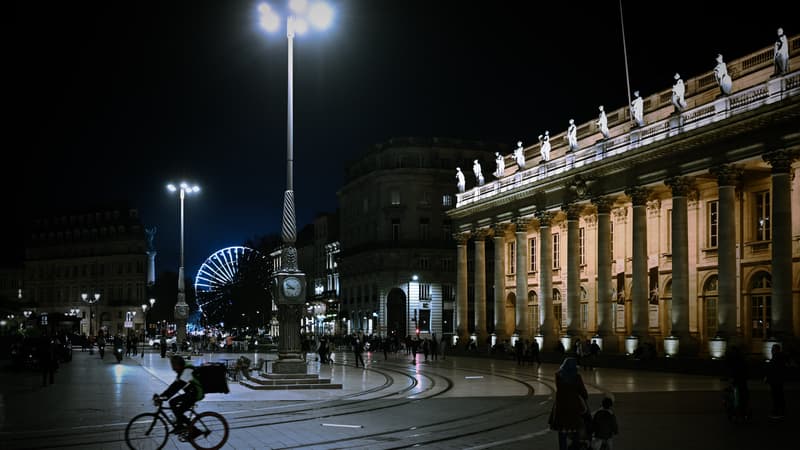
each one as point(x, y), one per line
point(456, 403)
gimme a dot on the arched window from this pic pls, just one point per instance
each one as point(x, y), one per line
point(761, 304)
point(710, 298)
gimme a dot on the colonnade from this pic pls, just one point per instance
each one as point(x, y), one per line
point(540, 223)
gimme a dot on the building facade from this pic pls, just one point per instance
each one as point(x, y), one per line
point(91, 252)
point(397, 267)
point(682, 231)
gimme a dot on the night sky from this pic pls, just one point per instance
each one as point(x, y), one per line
point(108, 101)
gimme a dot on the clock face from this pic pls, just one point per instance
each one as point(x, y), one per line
point(292, 287)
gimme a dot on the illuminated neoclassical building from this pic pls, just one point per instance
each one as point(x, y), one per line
point(685, 229)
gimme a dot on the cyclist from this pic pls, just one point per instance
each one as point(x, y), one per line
point(192, 393)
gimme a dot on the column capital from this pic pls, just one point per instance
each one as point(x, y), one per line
point(545, 217)
point(654, 207)
point(499, 229)
point(572, 210)
point(603, 204)
point(680, 185)
point(727, 175)
point(521, 224)
point(780, 160)
point(461, 238)
point(479, 234)
point(638, 195)
point(620, 214)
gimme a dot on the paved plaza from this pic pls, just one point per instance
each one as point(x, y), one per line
point(454, 403)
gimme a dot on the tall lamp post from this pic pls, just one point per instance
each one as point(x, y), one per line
point(288, 283)
point(181, 308)
point(91, 300)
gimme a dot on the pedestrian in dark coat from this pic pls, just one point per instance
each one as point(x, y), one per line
point(48, 358)
point(775, 377)
point(569, 407)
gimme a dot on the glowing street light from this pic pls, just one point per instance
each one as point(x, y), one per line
point(289, 282)
point(91, 301)
point(181, 308)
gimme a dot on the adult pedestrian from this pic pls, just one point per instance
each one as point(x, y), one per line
point(775, 377)
point(519, 351)
point(48, 358)
point(358, 350)
point(162, 345)
point(569, 407)
point(434, 347)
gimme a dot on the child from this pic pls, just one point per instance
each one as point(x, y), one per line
point(604, 426)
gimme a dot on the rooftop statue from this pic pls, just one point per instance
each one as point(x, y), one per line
point(150, 235)
point(602, 123)
point(678, 92)
point(637, 109)
point(781, 53)
point(460, 177)
point(501, 165)
point(544, 147)
point(572, 135)
point(519, 155)
point(721, 74)
point(476, 168)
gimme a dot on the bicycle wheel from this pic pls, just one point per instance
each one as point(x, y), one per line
point(213, 431)
point(146, 431)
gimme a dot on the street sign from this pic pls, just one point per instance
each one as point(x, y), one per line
point(128, 324)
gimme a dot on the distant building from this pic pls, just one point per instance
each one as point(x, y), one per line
point(101, 252)
point(317, 246)
point(393, 228)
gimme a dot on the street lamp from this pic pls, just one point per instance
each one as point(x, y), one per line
point(289, 282)
point(181, 308)
point(91, 300)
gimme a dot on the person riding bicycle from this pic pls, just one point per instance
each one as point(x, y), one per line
point(192, 393)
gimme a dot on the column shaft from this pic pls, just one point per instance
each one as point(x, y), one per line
point(546, 319)
point(573, 277)
point(680, 267)
point(781, 254)
point(499, 283)
point(521, 322)
point(726, 256)
point(639, 287)
point(480, 288)
point(462, 324)
point(605, 303)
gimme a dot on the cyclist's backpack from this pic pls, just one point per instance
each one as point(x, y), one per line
point(212, 377)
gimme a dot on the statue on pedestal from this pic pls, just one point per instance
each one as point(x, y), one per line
point(461, 184)
point(721, 74)
point(602, 123)
point(678, 91)
point(476, 168)
point(781, 53)
point(519, 156)
point(637, 109)
point(544, 147)
point(572, 135)
point(501, 165)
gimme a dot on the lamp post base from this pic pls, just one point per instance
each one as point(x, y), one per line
point(290, 366)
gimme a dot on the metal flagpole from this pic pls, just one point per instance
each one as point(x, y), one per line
point(625, 52)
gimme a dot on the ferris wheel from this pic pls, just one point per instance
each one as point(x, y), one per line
point(218, 274)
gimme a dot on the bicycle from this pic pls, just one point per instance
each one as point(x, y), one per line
point(150, 430)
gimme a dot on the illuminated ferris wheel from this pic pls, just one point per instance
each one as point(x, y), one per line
point(218, 274)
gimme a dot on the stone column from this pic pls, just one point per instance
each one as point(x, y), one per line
point(605, 303)
point(546, 319)
point(680, 257)
point(480, 285)
point(573, 271)
point(499, 281)
point(781, 162)
point(727, 177)
point(639, 287)
point(462, 308)
point(521, 323)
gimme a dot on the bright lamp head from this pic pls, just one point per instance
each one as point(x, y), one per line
point(298, 6)
point(270, 21)
point(171, 187)
point(320, 15)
